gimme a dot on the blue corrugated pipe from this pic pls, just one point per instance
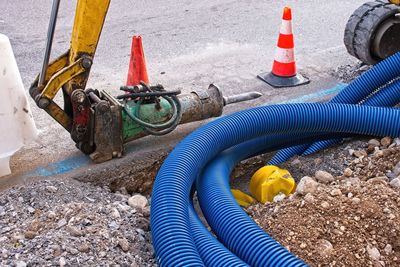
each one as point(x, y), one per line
point(225, 216)
point(170, 223)
point(388, 96)
point(358, 90)
point(208, 246)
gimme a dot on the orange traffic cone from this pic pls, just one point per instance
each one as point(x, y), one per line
point(137, 65)
point(284, 72)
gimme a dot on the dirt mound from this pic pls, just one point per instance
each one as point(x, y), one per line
point(351, 221)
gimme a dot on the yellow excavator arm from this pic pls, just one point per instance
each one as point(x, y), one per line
point(71, 70)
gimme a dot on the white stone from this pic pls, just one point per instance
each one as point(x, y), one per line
point(115, 213)
point(324, 177)
point(309, 198)
point(51, 189)
point(336, 192)
point(62, 262)
point(325, 204)
point(356, 200)
point(20, 264)
point(348, 172)
point(138, 201)
point(373, 253)
point(396, 141)
point(374, 142)
point(279, 197)
point(396, 169)
point(324, 247)
point(388, 249)
point(307, 185)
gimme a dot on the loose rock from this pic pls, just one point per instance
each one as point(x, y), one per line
point(395, 183)
point(348, 172)
point(388, 249)
point(138, 201)
point(325, 204)
point(386, 141)
point(324, 247)
point(279, 197)
point(51, 189)
point(336, 192)
point(307, 185)
point(373, 253)
point(62, 262)
point(309, 198)
point(324, 177)
point(374, 142)
point(21, 264)
point(124, 244)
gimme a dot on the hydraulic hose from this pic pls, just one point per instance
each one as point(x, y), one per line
point(358, 90)
point(162, 128)
point(170, 223)
point(388, 96)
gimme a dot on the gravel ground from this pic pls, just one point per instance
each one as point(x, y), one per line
point(67, 223)
point(350, 218)
point(347, 73)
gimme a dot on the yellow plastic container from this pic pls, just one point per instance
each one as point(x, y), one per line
point(269, 181)
point(243, 199)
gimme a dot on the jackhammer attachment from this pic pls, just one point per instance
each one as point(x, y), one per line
point(116, 122)
point(99, 123)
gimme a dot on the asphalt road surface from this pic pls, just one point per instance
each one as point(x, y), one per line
point(188, 45)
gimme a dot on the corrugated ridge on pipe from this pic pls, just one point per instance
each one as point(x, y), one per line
point(388, 96)
point(359, 89)
point(170, 201)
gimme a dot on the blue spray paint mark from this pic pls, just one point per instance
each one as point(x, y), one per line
point(315, 95)
point(60, 167)
point(77, 162)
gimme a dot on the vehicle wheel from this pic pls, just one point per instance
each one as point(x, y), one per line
point(373, 32)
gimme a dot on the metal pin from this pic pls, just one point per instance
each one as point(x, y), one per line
point(241, 97)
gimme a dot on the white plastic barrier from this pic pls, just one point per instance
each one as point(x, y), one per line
point(16, 123)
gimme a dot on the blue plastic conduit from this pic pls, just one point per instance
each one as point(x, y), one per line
point(208, 246)
point(215, 198)
point(206, 243)
point(388, 96)
point(170, 223)
point(359, 89)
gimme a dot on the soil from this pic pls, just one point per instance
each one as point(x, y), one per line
point(351, 221)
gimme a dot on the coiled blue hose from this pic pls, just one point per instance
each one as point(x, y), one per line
point(208, 246)
point(171, 227)
point(206, 243)
point(388, 96)
point(359, 89)
point(215, 199)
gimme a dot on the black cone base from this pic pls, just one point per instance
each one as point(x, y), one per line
point(278, 82)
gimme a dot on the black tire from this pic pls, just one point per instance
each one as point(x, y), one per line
point(362, 26)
